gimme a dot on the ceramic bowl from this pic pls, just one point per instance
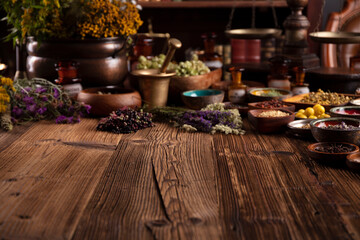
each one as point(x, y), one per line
point(297, 128)
point(262, 105)
point(264, 94)
point(346, 111)
point(355, 102)
point(353, 161)
point(104, 100)
point(323, 134)
point(269, 124)
point(316, 152)
point(181, 84)
point(197, 99)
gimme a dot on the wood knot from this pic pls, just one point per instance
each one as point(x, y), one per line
point(15, 194)
point(11, 180)
point(195, 220)
point(24, 217)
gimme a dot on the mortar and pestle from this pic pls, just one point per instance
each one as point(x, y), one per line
point(154, 83)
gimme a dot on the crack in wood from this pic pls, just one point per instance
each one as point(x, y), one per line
point(159, 192)
point(283, 153)
point(90, 145)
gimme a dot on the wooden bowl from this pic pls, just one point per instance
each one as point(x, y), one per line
point(333, 159)
point(257, 105)
point(181, 84)
point(353, 161)
point(197, 99)
point(269, 124)
point(259, 94)
point(104, 100)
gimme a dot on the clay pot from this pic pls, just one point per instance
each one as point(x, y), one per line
point(102, 62)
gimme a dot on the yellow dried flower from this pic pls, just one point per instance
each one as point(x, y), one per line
point(110, 19)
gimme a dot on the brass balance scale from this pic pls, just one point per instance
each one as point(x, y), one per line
point(295, 46)
point(345, 78)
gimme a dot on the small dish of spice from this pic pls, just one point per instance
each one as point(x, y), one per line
point(331, 153)
point(267, 94)
point(268, 120)
point(336, 130)
point(272, 104)
point(346, 111)
point(300, 128)
point(353, 161)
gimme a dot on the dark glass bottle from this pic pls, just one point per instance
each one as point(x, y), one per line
point(67, 77)
point(237, 90)
point(144, 47)
point(279, 74)
point(210, 58)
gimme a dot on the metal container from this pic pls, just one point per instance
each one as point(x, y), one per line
point(322, 134)
point(154, 86)
point(102, 62)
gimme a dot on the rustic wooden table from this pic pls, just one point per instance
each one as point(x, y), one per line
point(72, 182)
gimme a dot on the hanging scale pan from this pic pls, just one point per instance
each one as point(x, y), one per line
point(335, 37)
point(253, 33)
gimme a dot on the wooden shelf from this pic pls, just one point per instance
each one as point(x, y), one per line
point(214, 4)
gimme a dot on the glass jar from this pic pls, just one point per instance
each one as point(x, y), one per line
point(67, 77)
point(142, 47)
point(210, 58)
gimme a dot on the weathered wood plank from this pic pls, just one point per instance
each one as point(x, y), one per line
point(342, 189)
point(7, 138)
point(82, 134)
point(170, 194)
point(45, 183)
point(272, 193)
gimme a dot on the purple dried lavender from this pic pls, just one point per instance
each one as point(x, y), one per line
point(205, 120)
point(125, 120)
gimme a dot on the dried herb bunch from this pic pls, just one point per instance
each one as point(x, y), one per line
point(211, 119)
point(69, 19)
point(214, 118)
point(126, 120)
point(6, 89)
point(39, 99)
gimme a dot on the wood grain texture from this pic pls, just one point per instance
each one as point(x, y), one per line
point(47, 177)
point(167, 192)
point(8, 137)
point(70, 182)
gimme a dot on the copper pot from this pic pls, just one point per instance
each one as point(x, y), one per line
point(102, 62)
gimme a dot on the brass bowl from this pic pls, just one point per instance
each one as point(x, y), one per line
point(104, 100)
point(181, 84)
